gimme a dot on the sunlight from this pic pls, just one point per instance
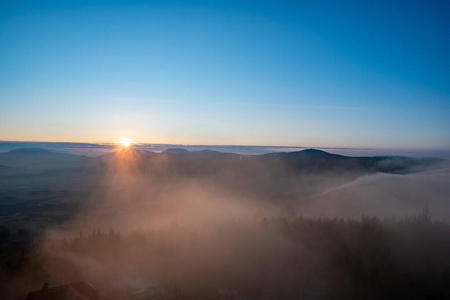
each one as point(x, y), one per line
point(126, 142)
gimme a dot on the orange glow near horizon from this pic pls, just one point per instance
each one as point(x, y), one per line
point(126, 142)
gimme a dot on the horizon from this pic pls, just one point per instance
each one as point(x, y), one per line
point(97, 149)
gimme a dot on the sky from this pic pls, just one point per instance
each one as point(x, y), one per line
point(281, 73)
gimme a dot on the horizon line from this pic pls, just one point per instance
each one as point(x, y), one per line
point(231, 145)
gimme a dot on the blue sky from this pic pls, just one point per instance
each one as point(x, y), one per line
point(293, 73)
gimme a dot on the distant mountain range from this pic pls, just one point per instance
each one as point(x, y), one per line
point(97, 149)
point(36, 158)
point(208, 162)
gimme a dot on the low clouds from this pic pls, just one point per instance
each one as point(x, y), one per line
point(388, 195)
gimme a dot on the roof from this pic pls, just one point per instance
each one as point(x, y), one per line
point(73, 291)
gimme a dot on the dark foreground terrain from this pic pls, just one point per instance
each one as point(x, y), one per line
point(212, 225)
point(285, 258)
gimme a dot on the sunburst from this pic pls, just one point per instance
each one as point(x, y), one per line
point(126, 142)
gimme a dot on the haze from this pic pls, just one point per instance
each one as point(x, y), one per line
point(230, 150)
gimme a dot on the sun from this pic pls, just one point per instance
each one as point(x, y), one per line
point(126, 142)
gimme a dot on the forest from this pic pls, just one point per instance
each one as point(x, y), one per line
point(261, 258)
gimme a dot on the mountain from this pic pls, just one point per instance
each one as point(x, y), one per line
point(210, 163)
point(29, 150)
point(39, 159)
point(307, 153)
point(176, 151)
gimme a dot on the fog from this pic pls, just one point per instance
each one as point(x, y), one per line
point(389, 195)
point(203, 226)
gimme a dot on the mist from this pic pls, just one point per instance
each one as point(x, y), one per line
point(389, 195)
point(210, 225)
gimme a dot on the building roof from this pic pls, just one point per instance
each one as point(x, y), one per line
point(73, 291)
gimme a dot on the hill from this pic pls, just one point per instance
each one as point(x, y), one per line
point(35, 158)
